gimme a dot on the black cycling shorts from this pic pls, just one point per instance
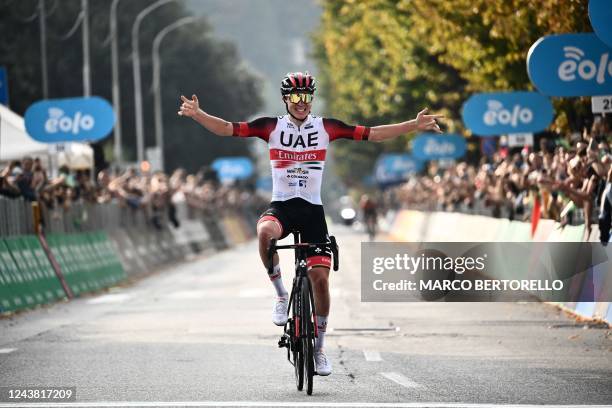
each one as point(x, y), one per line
point(298, 214)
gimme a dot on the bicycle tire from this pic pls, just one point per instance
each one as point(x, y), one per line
point(308, 338)
point(298, 355)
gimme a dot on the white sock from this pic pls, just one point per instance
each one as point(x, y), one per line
point(321, 328)
point(277, 281)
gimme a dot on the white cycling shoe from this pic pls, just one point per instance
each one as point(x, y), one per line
point(279, 311)
point(323, 365)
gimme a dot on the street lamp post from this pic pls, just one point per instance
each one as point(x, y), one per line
point(137, 80)
point(86, 69)
point(43, 47)
point(155, 88)
point(115, 73)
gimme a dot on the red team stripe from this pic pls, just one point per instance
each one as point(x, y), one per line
point(241, 129)
point(359, 131)
point(313, 261)
point(310, 155)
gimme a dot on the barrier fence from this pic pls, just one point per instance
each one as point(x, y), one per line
point(417, 226)
point(88, 247)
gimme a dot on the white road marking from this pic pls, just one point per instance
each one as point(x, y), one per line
point(7, 350)
point(371, 355)
point(112, 298)
point(285, 404)
point(401, 379)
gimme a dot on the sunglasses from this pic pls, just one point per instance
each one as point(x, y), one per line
point(297, 97)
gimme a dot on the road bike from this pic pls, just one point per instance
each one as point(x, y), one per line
point(300, 331)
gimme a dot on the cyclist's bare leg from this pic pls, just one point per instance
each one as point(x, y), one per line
point(319, 277)
point(266, 230)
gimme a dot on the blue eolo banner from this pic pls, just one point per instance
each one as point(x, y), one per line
point(489, 114)
point(435, 147)
point(570, 65)
point(600, 14)
point(233, 168)
point(395, 167)
point(70, 120)
point(4, 94)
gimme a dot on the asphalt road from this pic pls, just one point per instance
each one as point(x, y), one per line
point(200, 332)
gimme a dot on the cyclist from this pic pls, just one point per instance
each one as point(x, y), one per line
point(298, 143)
point(369, 213)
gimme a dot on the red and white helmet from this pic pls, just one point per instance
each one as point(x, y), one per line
point(298, 82)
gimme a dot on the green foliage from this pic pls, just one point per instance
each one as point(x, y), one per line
point(271, 36)
point(381, 61)
point(192, 62)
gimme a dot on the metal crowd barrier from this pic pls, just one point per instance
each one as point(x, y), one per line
point(15, 217)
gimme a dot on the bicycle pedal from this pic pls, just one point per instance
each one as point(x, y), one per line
point(283, 342)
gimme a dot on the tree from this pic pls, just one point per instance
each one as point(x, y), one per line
point(381, 60)
point(373, 70)
point(192, 62)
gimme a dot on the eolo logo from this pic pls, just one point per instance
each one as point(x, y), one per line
point(577, 65)
point(496, 114)
point(570, 65)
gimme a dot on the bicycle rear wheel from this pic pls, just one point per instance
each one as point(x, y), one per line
point(308, 338)
point(298, 355)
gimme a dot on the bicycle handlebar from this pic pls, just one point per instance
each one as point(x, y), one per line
point(332, 245)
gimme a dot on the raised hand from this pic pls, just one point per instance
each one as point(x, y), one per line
point(427, 122)
point(189, 107)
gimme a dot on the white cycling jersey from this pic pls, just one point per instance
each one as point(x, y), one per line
point(297, 153)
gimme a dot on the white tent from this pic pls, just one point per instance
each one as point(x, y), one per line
point(15, 143)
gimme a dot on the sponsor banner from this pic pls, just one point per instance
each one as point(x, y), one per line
point(70, 120)
point(4, 93)
point(484, 271)
point(312, 155)
point(600, 14)
point(489, 114)
point(233, 168)
point(436, 147)
point(395, 168)
point(570, 65)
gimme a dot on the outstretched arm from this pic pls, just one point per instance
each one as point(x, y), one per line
point(191, 108)
point(422, 122)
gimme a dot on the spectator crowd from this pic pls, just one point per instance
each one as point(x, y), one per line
point(566, 179)
point(156, 194)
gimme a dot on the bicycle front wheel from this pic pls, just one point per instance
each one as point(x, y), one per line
point(297, 347)
point(308, 337)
